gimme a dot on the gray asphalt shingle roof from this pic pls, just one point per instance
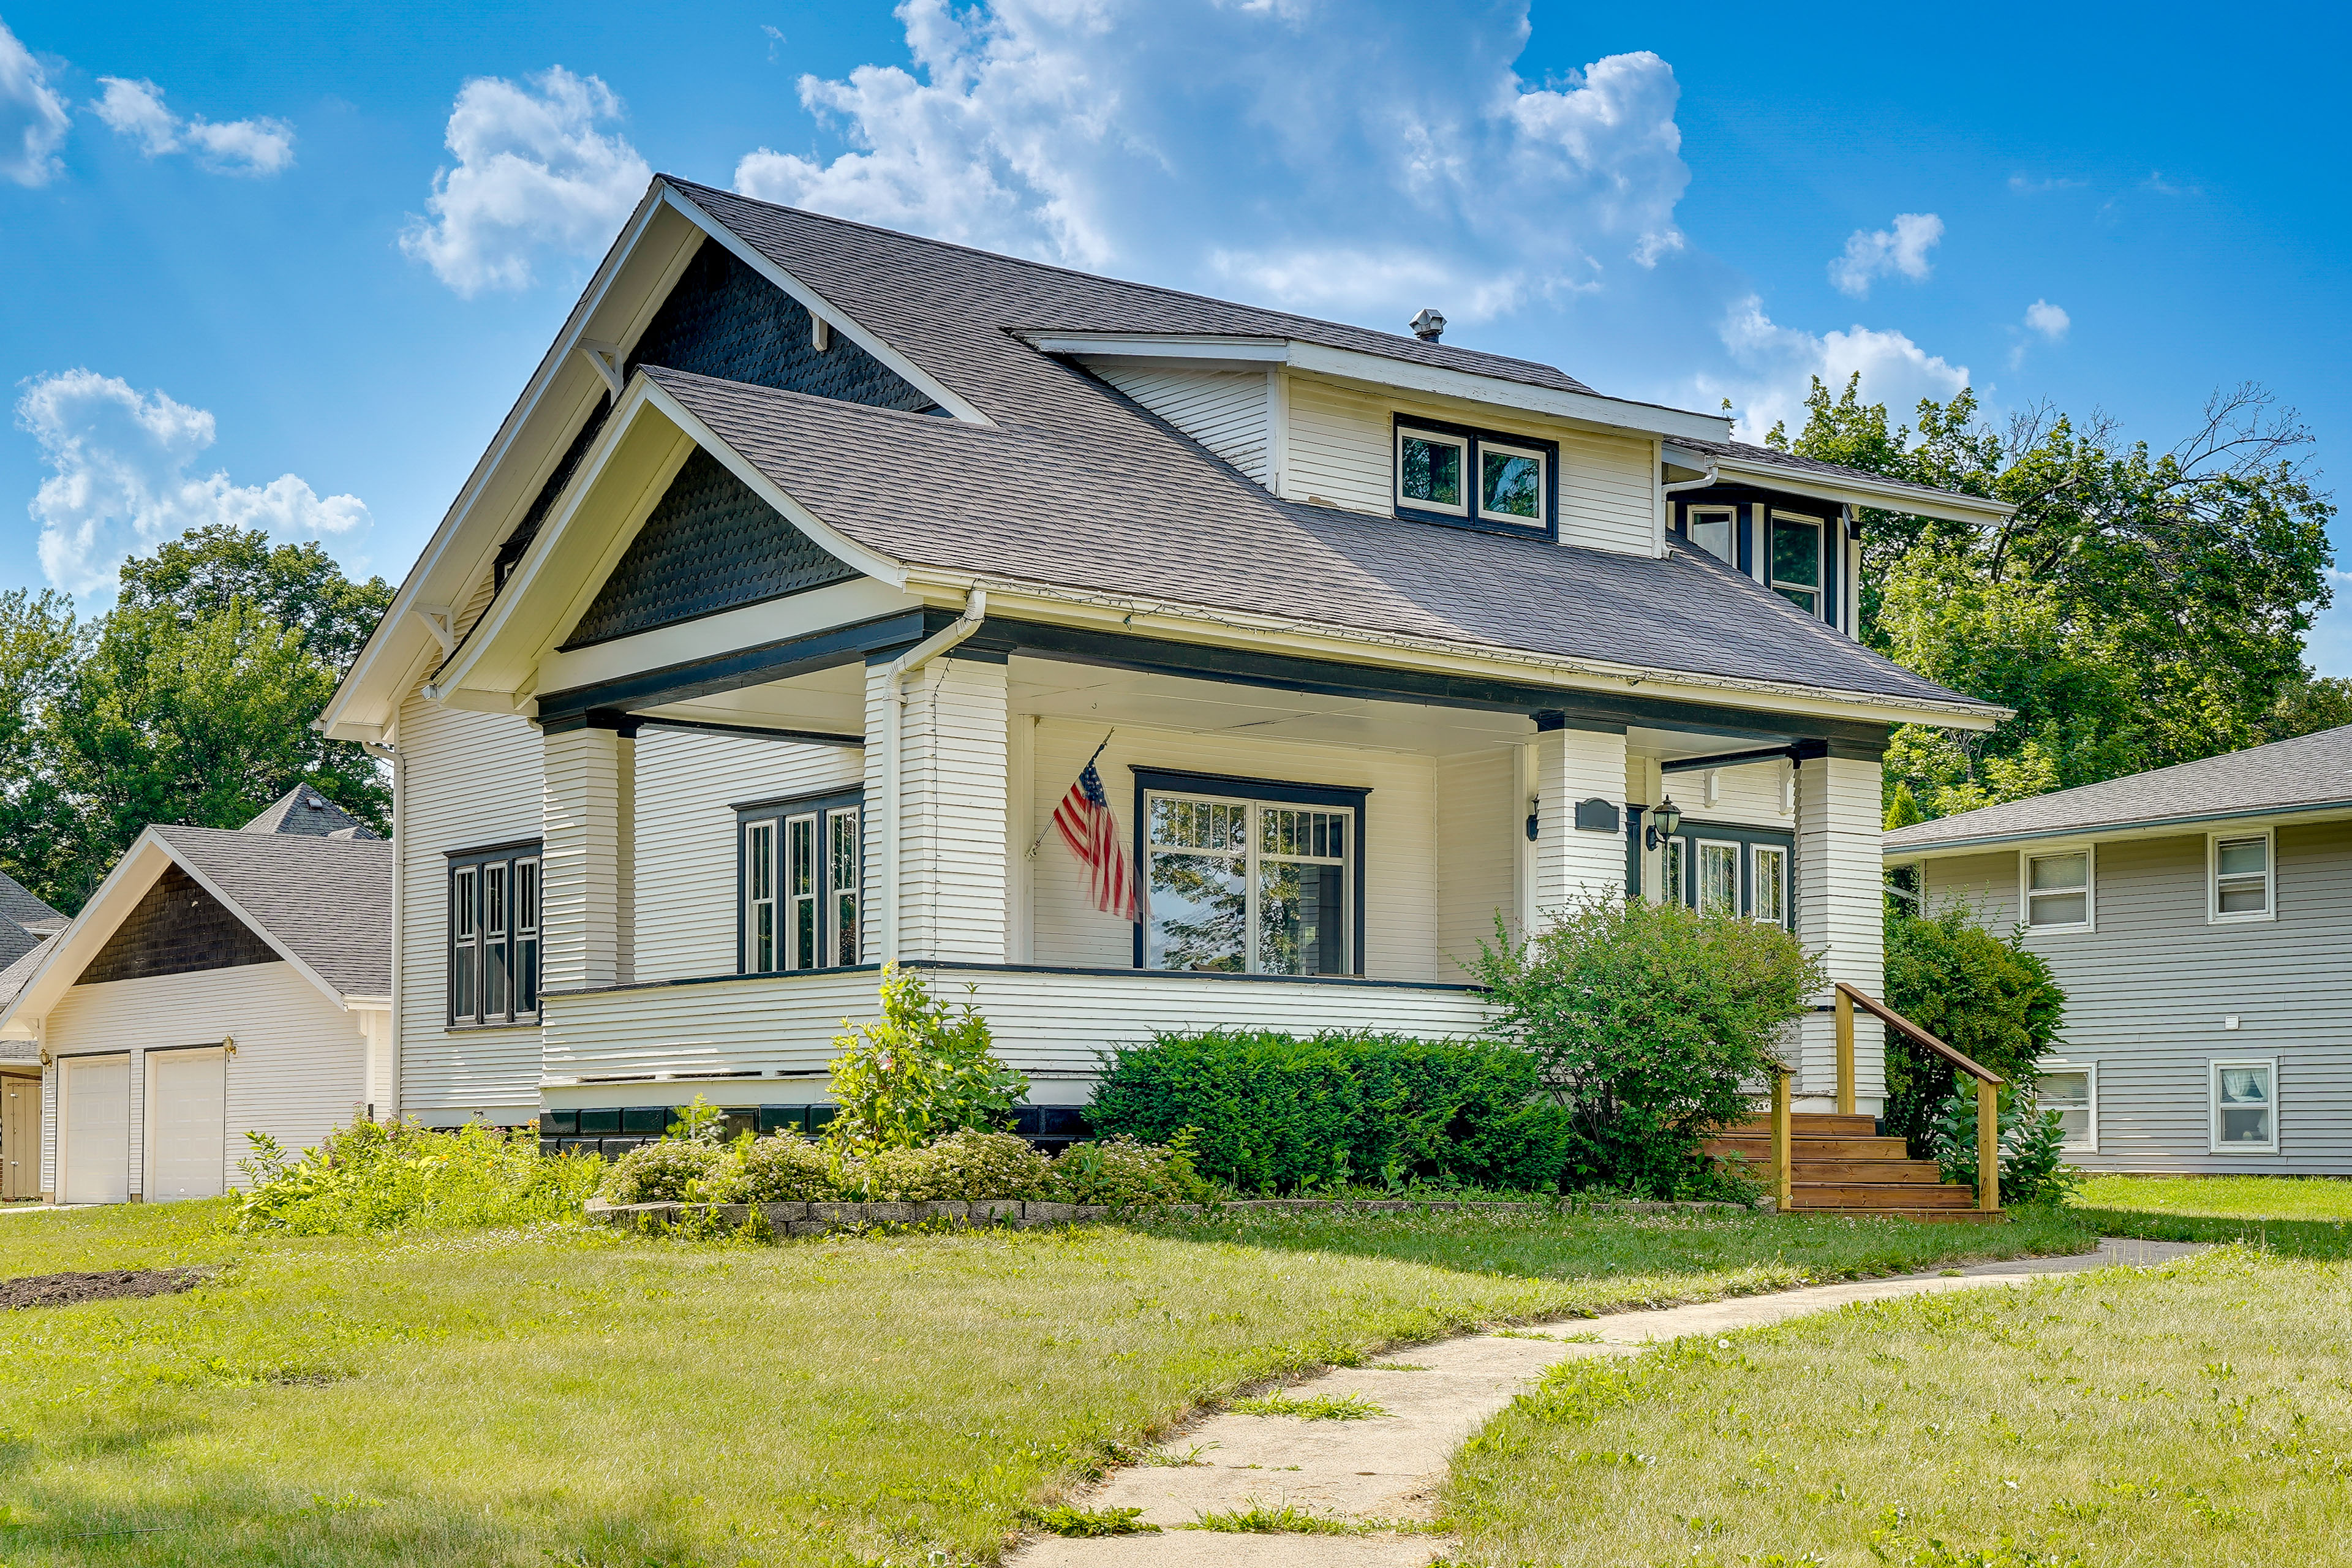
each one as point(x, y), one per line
point(20, 969)
point(329, 901)
point(19, 905)
point(1773, 457)
point(2309, 771)
point(303, 810)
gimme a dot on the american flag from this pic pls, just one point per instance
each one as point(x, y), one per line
point(1091, 831)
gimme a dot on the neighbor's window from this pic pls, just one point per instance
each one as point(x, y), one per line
point(800, 880)
point(1250, 887)
point(2073, 1093)
point(1473, 475)
point(1796, 561)
point(2058, 890)
point(1711, 531)
point(2242, 877)
point(2246, 1108)
point(493, 935)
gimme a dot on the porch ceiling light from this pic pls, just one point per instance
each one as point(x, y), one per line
point(1664, 822)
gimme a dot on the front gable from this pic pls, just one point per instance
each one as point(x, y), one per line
point(177, 927)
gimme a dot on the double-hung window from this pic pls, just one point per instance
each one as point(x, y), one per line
point(798, 872)
point(2240, 877)
point(2245, 1107)
point(1450, 473)
point(493, 922)
point(1795, 559)
point(1250, 878)
point(2057, 893)
point(2072, 1091)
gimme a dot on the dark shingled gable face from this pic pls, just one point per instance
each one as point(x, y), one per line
point(710, 544)
point(177, 929)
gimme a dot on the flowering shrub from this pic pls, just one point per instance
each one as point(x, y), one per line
point(783, 1167)
point(1124, 1173)
point(671, 1169)
point(397, 1175)
point(968, 1165)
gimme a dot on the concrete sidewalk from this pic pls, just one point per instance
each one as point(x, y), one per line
point(1388, 1469)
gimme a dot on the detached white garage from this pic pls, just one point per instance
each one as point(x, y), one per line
point(219, 983)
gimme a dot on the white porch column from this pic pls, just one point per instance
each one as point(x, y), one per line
point(587, 872)
point(950, 814)
point(1838, 912)
point(1573, 765)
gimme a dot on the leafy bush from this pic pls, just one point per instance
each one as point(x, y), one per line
point(1125, 1173)
point(1274, 1113)
point(387, 1175)
point(965, 1164)
point(922, 1070)
point(2033, 1168)
point(783, 1167)
point(1986, 996)
point(1648, 1022)
point(669, 1170)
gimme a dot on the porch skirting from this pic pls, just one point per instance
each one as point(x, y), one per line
point(1054, 1022)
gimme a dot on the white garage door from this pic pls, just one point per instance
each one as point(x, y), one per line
point(187, 1120)
point(97, 1116)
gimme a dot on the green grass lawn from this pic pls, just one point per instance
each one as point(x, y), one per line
point(2199, 1414)
point(2309, 1216)
point(575, 1397)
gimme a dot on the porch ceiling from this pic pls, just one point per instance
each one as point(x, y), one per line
point(1088, 692)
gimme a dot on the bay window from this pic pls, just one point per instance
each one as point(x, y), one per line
point(1245, 876)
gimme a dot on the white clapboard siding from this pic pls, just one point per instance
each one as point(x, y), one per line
point(300, 1070)
point(1043, 1022)
point(1572, 862)
point(1224, 410)
point(588, 784)
point(689, 785)
point(467, 781)
point(1399, 852)
point(1478, 821)
point(952, 854)
point(1341, 453)
point(1840, 914)
point(2148, 992)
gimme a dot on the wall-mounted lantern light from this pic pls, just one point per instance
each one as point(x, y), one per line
point(1533, 801)
point(1664, 822)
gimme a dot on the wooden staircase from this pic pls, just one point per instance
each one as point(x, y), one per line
point(1840, 1165)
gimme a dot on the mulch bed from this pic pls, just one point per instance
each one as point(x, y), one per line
point(64, 1289)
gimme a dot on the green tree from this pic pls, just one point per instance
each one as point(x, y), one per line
point(1988, 997)
point(2138, 609)
point(297, 585)
point(40, 641)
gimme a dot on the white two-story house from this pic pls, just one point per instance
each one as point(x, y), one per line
point(815, 562)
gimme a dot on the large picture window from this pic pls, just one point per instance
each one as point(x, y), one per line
point(1730, 869)
point(493, 920)
point(798, 872)
point(1479, 479)
point(1250, 878)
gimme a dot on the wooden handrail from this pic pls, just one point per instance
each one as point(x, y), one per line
point(1915, 1034)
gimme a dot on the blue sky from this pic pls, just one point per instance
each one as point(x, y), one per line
point(289, 264)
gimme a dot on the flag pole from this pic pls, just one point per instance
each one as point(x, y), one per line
point(1037, 843)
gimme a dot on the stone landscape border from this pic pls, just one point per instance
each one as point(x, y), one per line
point(819, 1218)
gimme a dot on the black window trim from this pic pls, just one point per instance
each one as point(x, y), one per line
point(1473, 518)
point(511, 854)
point(776, 809)
point(1690, 832)
point(1172, 780)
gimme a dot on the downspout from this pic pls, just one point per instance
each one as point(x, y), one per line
point(894, 674)
point(1666, 505)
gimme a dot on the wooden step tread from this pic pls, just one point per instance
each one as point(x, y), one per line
point(1812, 1148)
point(1868, 1194)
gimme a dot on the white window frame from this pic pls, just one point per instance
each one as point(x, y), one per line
point(2090, 1070)
point(2213, 1104)
point(1478, 492)
point(1699, 847)
point(1756, 854)
point(1462, 444)
point(1818, 586)
point(2025, 859)
point(1729, 517)
point(2269, 912)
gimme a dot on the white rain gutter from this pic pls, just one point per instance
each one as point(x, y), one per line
point(1699, 483)
point(894, 712)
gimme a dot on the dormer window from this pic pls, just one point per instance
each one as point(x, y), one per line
point(1476, 478)
point(1712, 530)
point(1796, 561)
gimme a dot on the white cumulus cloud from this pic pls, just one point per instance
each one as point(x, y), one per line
point(1900, 251)
point(1302, 151)
point(124, 478)
point(535, 176)
point(2048, 320)
point(33, 118)
point(135, 110)
point(1779, 363)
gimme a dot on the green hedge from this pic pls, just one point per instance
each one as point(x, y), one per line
point(1276, 1113)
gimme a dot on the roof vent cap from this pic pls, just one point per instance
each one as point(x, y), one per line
point(1429, 326)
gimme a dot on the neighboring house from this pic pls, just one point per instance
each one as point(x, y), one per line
point(217, 983)
point(26, 926)
point(2200, 919)
point(815, 562)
